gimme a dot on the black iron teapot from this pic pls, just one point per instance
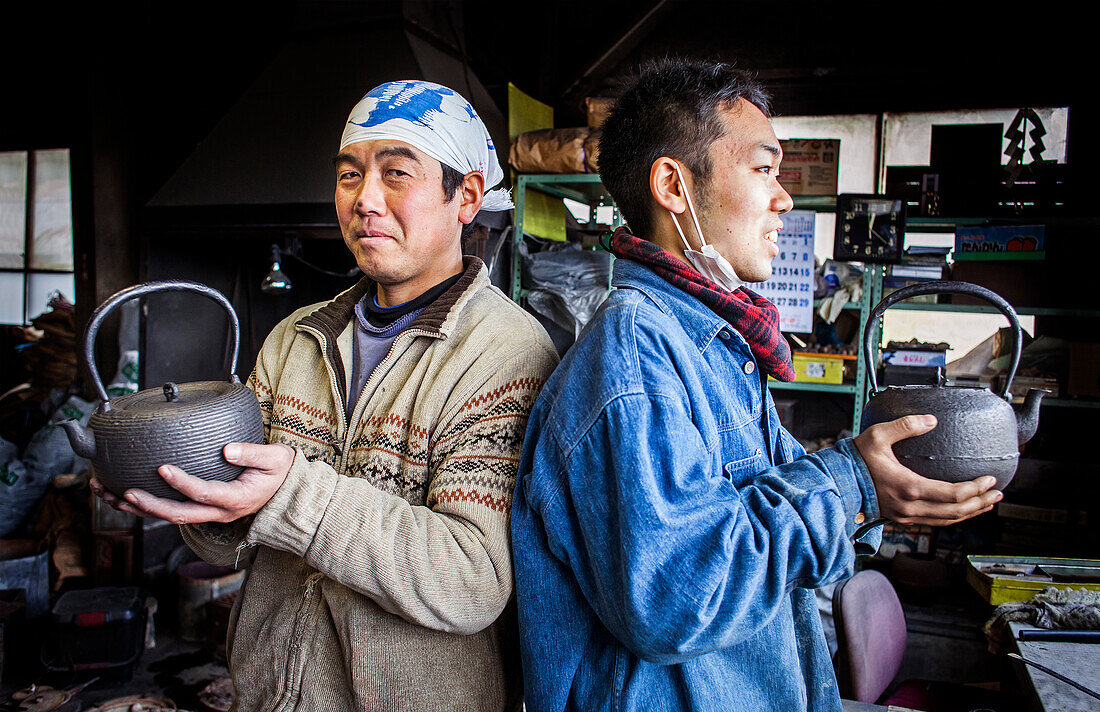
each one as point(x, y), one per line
point(978, 432)
point(186, 425)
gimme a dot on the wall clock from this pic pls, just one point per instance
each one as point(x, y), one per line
point(869, 228)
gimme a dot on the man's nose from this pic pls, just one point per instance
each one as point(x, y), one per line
point(370, 200)
point(783, 200)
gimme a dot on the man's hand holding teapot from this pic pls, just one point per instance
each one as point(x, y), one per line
point(908, 498)
point(266, 468)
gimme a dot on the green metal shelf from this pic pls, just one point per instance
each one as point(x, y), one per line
point(845, 388)
point(989, 309)
point(945, 223)
point(584, 188)
point(849, 305)
point(820, 203)
point(581, 187)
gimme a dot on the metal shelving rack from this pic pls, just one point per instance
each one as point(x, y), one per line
point(588, 189)
point(582, 187)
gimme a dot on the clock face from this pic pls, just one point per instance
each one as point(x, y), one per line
point(869, 229)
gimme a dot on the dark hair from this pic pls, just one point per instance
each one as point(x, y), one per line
point(452, 181)
point(670, 109)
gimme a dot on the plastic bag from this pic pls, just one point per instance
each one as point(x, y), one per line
point(567, 283)
point(126, 377)
point(48, 454)
point(19, 491)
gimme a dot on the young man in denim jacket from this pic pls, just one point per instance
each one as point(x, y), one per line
point(668, 533)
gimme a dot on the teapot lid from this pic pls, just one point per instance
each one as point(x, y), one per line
point(172, 397)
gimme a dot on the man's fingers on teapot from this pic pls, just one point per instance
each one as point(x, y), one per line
point(173, 511)
point(941, 513)
point(195, 489)
point(955, 492)
point(103, 493)
point(272, 458)
point(128, 505)
point(939, 522)
point(907, 426)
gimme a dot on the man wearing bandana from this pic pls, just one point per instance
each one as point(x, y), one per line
point(668, 533)
point(374, 522)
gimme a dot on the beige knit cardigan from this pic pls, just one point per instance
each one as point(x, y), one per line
point(379, 574)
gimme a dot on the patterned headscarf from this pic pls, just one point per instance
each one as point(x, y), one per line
point(435, 120)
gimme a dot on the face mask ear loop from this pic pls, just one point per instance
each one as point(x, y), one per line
point(675, 221)
point(678, 230)
point(691, 207)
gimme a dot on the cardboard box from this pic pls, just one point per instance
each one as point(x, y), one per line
point(810, 166)
point(915, 357)
point(1000, 242)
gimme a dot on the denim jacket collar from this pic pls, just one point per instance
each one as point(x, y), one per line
point(700, 323)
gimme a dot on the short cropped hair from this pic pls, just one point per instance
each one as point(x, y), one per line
point(670, 109)
point(452, 180)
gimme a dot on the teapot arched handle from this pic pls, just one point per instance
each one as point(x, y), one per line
point(141, 290)
point(941, 287)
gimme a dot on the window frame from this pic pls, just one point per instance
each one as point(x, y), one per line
point(28, 231)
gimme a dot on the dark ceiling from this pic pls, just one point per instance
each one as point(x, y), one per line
point(158, 81)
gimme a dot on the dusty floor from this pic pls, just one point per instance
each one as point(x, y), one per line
point(173, 668)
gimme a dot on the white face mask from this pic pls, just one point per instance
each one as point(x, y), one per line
point(706, 260)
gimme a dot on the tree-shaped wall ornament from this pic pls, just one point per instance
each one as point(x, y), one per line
point(1015, 135)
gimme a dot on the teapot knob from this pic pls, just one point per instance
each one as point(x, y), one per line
point(171, 392)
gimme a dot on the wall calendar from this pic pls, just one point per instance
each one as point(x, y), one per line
point(791, 287)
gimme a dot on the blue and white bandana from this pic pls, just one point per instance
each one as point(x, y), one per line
point(435, 120)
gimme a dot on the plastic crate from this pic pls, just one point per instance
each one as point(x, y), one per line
point(96, 629)
point(819, 368)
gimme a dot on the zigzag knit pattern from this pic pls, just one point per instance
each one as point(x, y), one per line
point(473, 460)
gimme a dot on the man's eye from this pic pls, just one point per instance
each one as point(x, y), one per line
point(397, 173)
point(346, 175)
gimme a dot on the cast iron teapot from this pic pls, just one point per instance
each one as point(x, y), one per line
point(185, 424)
point(978, 432)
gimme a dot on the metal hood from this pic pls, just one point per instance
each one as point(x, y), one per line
point(268, 161)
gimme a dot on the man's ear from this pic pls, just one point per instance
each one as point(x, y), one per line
point(665, 185)
point(471, 192)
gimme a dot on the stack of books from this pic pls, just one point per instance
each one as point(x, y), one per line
point(918, 264)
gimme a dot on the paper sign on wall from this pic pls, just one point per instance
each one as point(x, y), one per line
point(791, 287)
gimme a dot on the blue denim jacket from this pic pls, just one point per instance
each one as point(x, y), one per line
point(665, 548)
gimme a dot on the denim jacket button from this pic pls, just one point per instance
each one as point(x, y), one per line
point(724, 335)
point(860, 518)
point(749, 367)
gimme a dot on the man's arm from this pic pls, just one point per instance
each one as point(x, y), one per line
point(678, 559)
point(446, 565)
point(216, 533)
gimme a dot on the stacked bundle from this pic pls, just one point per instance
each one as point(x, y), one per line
point(51, 358)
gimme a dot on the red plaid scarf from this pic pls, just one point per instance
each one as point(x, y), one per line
point(752, 315)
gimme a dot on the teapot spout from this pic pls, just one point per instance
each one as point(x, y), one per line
point(82, 439)
point(1027, 414)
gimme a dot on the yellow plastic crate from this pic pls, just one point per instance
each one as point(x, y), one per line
point(819, 368)
point(1023, 577)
